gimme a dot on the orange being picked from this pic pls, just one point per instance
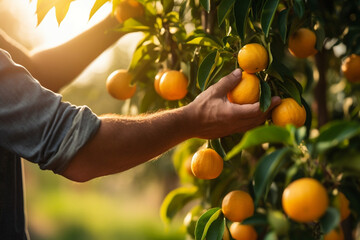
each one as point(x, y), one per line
point(247, 91)
point(305, 200)
point(242, 232)
point(302, 43)
point(253, 58)
point(237, 205)
point(288, 112)
point(173, 85)
point(118, 84)
point(335, 234)
point(351, 68)
point(128, 9)
point(207, 164)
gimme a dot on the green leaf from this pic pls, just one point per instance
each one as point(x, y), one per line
point(308, 119)
point(283, 21)
point(167, 5)
point(290, 88)
point(241, 11)
point(271, 236)
point(216, 229)
point(265, 96)
point(266, 171)
point(206, 68)
point(216, 145)
point(334, 133)
point(223, 9)
point(132, 25)
point(175, 201)
point(97, 5)
point(257, 219)
point(204, 222)
point(330, 220)
point(268, 14)
point(320, 37)
point(42, 8)
point(143, 52)
point(203, 41)
point(299, 8)
point(205, 4)
point(61, 9)
point(260, 135)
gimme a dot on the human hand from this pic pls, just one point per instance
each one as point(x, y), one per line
point(212, 115)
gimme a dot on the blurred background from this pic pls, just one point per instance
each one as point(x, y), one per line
point(121, 206)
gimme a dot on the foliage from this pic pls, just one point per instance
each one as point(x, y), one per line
point(202, 38)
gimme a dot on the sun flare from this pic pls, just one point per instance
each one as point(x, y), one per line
point(76, 21)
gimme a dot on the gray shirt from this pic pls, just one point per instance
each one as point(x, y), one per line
point(37, 125)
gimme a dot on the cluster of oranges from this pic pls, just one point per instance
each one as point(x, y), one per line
point(304, 200)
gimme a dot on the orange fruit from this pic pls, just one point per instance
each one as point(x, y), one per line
point(335, 234)
point(157, 81)
point(173, 85)
point(302, 43)
point(351, 68)
point(305, 200)
point(128, 9)
point(288, 112)
point(344, 206)
point(237, 205)
point(247, 91)
point(207, 164)
point(253, 58)
point(242, 232)
point(118, 84)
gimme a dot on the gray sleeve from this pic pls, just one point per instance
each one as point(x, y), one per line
point(36, 124)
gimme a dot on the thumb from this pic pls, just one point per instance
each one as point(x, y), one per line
point(229, 82)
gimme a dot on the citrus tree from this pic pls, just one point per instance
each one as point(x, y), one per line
point(295, 177)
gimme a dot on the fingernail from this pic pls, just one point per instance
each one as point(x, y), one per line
point(237, 73)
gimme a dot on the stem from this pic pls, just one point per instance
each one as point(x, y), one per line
point(173, 61)
point(320, 89)
point(208, 19)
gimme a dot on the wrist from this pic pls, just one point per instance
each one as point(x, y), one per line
point(189, 120)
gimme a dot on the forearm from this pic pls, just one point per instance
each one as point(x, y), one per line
point(19, 53)
point(122, 143)
point(58, 66)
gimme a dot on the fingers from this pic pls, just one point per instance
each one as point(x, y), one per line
point(253, 110)
point(229, 82)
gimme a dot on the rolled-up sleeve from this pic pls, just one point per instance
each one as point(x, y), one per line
point(36, 124)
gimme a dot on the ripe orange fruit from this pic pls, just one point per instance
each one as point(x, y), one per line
point(302, 43)
point(344, 206)
point(173, 85)
point(351, 68)
point(253, 58)
point(207, 164)
point(305, 200)
point(247, 91)
point(118, 84)
point(335, 234)
point(242, 232)
point(128, 9)
point(237, 205)
point(157, 81)
point(288, 112)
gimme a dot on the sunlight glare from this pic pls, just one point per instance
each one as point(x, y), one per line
point(76, 21)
